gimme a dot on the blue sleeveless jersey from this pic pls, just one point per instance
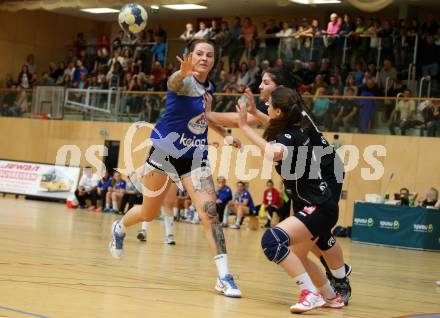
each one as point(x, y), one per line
point(182, 131)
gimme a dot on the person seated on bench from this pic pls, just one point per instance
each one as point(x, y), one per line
point(242, 205)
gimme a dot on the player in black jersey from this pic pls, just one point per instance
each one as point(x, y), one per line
point(328, 249)
point(286, 143)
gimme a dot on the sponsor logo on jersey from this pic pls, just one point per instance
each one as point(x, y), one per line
point(192, 142)
point(309, 209)
point(197, 125)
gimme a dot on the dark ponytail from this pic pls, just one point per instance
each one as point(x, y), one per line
point(291, 104)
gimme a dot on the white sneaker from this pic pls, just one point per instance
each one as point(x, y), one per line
point(170, 240)
point(227, 286)
point(235, 226)
point(116, 245)
point(307, 301)
point(337, 302)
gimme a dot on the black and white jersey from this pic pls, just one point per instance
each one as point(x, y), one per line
point(300, 170)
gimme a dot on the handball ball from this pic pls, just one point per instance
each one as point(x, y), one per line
point(133, 18)
point(72, 202)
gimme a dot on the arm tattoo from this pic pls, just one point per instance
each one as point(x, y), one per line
point(205, 184)
point(217, 231)
point(175, 82)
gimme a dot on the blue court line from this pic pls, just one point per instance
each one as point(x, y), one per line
point(23, 312)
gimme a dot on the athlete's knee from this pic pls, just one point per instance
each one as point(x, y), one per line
point(326, 242)
point(275, 243)
point(210, 209)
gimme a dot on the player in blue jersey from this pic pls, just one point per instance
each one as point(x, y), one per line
point(179, 154)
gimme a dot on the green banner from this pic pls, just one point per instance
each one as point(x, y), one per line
point(396, 226)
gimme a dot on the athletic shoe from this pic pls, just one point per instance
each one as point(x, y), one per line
point(142, 236)
point(235, 226)
point(98, 209)
point(82, 207)
point(307, 301)
point(170, 240)
point(116, 245)
point(343, 288)
point(92, 208)
point(227, 286)
point(225, 225)
point(107, 210)
point(336, 302)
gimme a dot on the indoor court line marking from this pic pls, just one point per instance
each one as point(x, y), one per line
point(23, 312)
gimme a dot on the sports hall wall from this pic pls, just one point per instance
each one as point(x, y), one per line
point(44, 34)
point(413, 160)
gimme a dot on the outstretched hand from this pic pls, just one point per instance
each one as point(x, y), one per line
point(242, 113)
point(252, 108)
point(187, 65)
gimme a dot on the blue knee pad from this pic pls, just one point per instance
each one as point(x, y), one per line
point(275, 243)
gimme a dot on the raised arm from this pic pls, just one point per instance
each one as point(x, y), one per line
point(175, 82)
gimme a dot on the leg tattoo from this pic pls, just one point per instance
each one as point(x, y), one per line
point(217, 230)
point(205, 184)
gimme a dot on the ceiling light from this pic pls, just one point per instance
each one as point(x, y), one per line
point(316, 1)
point(99, 10)
point(184, 6)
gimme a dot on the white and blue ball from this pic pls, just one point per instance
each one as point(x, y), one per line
point(133, 18)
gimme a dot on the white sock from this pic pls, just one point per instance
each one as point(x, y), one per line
point(120, 228)
point(225, 216)
point(114, 205)
point(221, 261)
point(176, 212)
point(327, 291)
point(339, 272)
point(169, 222)
point(145, 226)
point(304, 282)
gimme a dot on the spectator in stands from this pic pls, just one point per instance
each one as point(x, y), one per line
point(319, 83)
point(242, 204)
point(432, 115)
point(132, 194)
point(315, 32)
point(8, 106)
point(115, 193)
point(159, 76)
point(430, 26)
point(237, 45)
point(9, 81)
point(261, 42)
point(70, 70)
point(334, 85)
point(310, 73)
point(350, 83)
point(30, 63)
point(188, 35)
point(87, 188)
point(25, 77)
point(46, 80)
point(158, 49)
point(430, 198)
point(430, 62)
point(248, 33)
point(387, 38)
point(223, 39)
point(202, 33)
point(115, 75)
point(79, 69)
point(373, 32)
point(271, 41)
point(367, 107)
point(83, 82)
point(224, 196)
point(67, 81)
point(117, 42)
point(58, 74)
point(360, 43)
point(103, 43)
point(214, 31)
point(321, 106)
point(79, 44)
point(243, 78)
point(387, 72)
point(404, 196)
point(346, 111)
point(333, 29)
point(102, 189)
point(271, 201)
point(403, 115)
point(254, 73)
point(183, 202)
point(286, 49)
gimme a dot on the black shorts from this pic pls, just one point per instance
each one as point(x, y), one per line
point(319, 219)
point(176, 168)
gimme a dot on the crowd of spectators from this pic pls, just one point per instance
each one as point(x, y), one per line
point(376, 60)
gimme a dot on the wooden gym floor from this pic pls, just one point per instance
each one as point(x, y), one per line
point(54, 262)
